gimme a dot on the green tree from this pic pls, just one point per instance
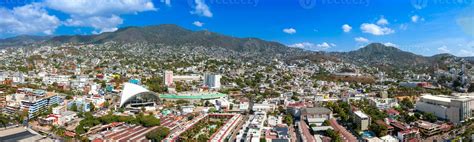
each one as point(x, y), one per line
point(180, 102)
point(281, 109)
point(158, 135)
point(148, 120)
point(203, 138)
point(106, 104)
point(409, 118)
point(406, 104)
point(326, 123)
point(295, 97)
point(4, 120)
point(379, 130)
point(20, 116)
point(109, 118)
point(91, 106)
point(74, 107)
point(334, 135)
point(288, 119)
point(430, 117)
point(69, 97)
point(121, 109)
point(213, 110)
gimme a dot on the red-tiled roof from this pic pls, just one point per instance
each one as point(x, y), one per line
point(70, 134)
point(392, 111)
point(398, 125)
point(306, 133)
point(407, 131)
point(298, 104)
point(346, 135)
point(380, 122)
point(131, 133)
point(413, 140)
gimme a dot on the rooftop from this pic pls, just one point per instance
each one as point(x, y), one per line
point(317, 110)
point(445, 98)
point(361, 114)
point(426, 125)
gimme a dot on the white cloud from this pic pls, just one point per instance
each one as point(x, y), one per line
point(416, 18)
point(198, 24)
point(100, 7)
point(27, 19)
point(444, 49)
point(289, 30)
point(201, 9)
point(390, 44)
point(382, 21)
point(103, 24)
point(167, 2)
point(361, 40)
point(325, 45)
point(346, 28)
point(102, 15)
point(304, 45)
point(403, 26)
point(375, 29)
point(312, 46)
point(453, 44)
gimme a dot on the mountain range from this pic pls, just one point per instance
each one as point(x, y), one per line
point(23, 40)
point(375, 54)
point(174, 35)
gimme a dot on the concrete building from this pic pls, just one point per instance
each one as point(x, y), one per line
point(266, 107)
point(168, 77)
point(37, 104)
point(361, 120)
point(427, 128)
point(383, 103)
point(409, 135)
point(278, 134)
point(316, 115)
point(187, 109)
point(212, 81)
point(187, 78)
point(456, 109)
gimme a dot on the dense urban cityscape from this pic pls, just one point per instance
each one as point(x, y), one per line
point(99, 92)
point(168, 83)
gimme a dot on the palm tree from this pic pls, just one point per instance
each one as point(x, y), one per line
point(20, 116)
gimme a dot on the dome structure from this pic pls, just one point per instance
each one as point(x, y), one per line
point(133, 93)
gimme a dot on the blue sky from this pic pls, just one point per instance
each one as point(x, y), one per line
point(425, 27)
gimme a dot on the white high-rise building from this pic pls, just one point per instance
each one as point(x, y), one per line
point(212, 81)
